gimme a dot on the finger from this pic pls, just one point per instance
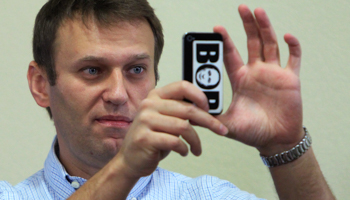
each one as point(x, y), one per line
point(294, 60)
point(183, 90)
point(177, 127)
point(166, 142)
point(253, 34)
point(232, 59)
point(194, 114)
point(183, 110)
point(268, 35)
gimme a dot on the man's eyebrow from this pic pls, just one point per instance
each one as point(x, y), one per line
point(101, 59)
point(92, 58)
point(139, 57)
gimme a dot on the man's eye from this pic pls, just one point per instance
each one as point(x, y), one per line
point(209, 80)
point(209, 72)
point(137, 70)
point(92, 71)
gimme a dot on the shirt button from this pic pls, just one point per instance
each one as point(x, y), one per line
point(134, 198)
point(75, 184)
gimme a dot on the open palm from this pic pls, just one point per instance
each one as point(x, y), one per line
point(266, 108)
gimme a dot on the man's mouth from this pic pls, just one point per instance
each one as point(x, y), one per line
point(115, 121)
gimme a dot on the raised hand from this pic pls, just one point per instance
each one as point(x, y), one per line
point(266, 107)
point(162, 119)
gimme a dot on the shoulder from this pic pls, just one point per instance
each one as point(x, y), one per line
point(202, 187)
point(33, 187)
point(162, 174)
point(6, 189)
point(204, 181)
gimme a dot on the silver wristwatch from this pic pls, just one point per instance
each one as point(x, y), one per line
point(290, 155)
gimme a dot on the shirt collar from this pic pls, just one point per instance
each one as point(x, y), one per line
point(61, 182)
point(56, 175)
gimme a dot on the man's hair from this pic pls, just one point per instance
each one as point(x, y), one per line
point(105, 12)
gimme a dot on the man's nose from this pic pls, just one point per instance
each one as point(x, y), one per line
point(115, 91)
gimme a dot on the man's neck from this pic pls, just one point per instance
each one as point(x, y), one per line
point(73, 166)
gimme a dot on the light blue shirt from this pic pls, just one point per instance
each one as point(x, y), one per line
point(53, 182)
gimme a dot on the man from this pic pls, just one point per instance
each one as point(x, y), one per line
point(95, 70)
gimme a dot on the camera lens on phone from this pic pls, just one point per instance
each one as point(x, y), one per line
point(190, 38)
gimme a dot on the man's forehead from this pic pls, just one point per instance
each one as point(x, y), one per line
point(91, 24)
point(83, 41)
point(73, 29)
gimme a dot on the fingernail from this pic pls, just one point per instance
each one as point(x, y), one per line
point(223, 130)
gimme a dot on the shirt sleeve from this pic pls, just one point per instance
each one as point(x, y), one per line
point(7, 191)
point(225, 190)
point(3, 186)
point(209, 187)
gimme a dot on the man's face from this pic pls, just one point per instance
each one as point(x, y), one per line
point(103, 75)
point(208, 76)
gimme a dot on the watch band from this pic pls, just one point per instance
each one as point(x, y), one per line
point(290, 155)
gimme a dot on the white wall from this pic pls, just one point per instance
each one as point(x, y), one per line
point(322, 27)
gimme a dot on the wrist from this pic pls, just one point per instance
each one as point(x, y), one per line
point(115, 178)
point(290, 155)
point(119, 169)
point(280, 145)
point(109, 183)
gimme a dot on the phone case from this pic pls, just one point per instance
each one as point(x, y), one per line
point(202, 66)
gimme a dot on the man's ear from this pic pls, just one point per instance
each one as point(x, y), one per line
point(38, 84)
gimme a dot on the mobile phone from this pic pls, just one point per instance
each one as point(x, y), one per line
point(203, 66)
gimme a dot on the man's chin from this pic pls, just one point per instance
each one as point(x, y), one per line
point(111, 147)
